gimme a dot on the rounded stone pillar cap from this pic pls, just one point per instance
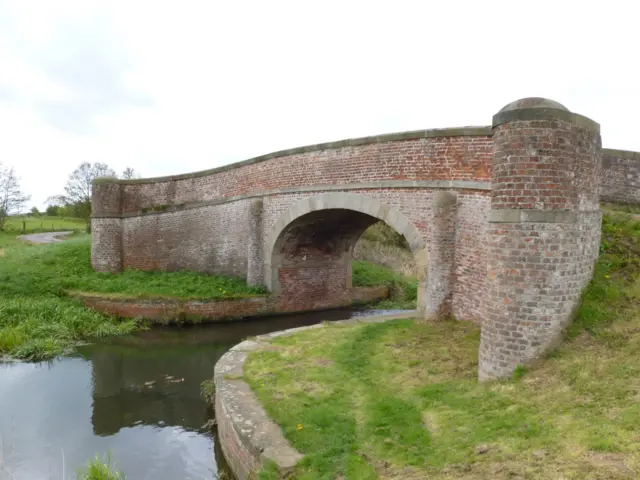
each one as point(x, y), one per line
point(538, 108)
point(533, 102)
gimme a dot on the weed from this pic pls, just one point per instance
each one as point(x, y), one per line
point(97, 469)
point(208, 391)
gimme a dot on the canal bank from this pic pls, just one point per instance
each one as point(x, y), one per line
point(248, 438)
point(137, 397)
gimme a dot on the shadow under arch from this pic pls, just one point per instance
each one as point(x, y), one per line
point(308, 251)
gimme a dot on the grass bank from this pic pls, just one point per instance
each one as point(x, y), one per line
point(401, 399)
point(38, 321)
point(403, 290)
point(43, 223)
point(622, 207)
point(382, 257)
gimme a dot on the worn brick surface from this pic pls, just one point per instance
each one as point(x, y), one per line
point(544, 165)
point(168, 310)
point(212, 239)
point(446, 158)
point(621, 177)
point(537, 270)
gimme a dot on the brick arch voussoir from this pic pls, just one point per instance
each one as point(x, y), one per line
point(348, 201)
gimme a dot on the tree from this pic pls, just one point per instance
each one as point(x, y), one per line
point(52, 211)
point(77, 196)
point(35, 212)
point(129, 173)
point(12, 198)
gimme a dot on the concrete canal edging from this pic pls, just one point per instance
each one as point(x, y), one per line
point(248, 437)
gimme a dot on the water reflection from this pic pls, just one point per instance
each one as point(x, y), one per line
point(137, 397)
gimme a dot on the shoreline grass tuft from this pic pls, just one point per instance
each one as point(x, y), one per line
point(401, 399)
point(99, 469)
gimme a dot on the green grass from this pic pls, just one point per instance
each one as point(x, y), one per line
point(403, 291)
point(57, 268)
point(401, 399)
point(621, 207)
point(42, 223)
point(38, 320)
point(97, 469)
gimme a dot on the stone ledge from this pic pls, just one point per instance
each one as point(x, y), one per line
point(436, 184)
point(609, 152)
point(525, 114)
point(535, 216)
point(389, 137)
point(248, 437)
point(172, 310)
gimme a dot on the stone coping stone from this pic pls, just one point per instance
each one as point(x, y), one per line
point(610, 152)
point(238, 408)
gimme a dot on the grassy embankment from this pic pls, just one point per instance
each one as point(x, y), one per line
point(627, 208)
point(43, 223)
point(401, 399)
point(382, 257)
point(37, 319)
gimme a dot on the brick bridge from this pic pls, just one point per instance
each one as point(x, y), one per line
point(506, 216)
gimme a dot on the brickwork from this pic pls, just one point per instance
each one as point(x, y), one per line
point(438, 158)
point(418, 206)
point(620, 177)
point(255, 254)
point(543, 233)
point(439, 283)
point(165, 310)
point(106, 244)
point(212, 239)
point(506, 218)
point(471, 255)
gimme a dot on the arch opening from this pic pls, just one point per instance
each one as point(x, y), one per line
point(309, 255)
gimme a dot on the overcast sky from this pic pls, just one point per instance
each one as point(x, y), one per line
point(171, 87)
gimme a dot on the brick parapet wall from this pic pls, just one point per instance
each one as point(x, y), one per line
point(620, 177)
point(437, 158)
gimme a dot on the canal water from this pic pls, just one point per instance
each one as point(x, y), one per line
point(136, 398)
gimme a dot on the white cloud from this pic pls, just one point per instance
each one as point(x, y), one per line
point(170, 87)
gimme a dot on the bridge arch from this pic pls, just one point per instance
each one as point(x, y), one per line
point(308, 250)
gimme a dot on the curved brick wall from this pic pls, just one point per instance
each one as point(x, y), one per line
point(450, 154)
point(544, 231)
point(168, 310)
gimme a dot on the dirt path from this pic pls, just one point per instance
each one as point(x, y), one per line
point(46, 237)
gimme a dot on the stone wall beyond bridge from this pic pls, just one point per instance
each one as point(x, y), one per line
point(506, 217)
